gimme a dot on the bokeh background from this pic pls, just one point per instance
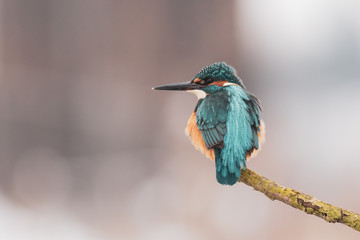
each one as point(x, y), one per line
point(89, 151)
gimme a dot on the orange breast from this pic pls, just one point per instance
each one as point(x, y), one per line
point(197, 140)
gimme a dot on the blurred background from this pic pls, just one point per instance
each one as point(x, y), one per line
point(89, 151)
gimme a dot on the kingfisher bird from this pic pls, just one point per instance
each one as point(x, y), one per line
point(226, 124)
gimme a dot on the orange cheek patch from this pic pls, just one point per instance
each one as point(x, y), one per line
point(219, 83)
point(198, 80)
point(197, 140)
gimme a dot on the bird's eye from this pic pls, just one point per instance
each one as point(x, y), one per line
point(209, 80)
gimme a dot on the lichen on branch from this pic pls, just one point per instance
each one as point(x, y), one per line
point(299, 200)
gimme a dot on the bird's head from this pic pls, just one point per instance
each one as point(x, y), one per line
point(210, 79)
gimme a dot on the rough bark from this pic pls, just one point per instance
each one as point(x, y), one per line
point(301, 201)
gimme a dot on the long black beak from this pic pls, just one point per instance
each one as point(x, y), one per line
point(178, 86)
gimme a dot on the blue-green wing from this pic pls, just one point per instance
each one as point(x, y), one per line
point(229, 121)
point(254, 111)
point(211, 117)
point(244, 117)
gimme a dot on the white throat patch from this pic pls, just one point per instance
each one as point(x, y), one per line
point(199, 93)
point(230, 84)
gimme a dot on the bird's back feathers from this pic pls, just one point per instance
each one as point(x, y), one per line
point(230, 124)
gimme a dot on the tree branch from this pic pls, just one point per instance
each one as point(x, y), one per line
point(299, 200)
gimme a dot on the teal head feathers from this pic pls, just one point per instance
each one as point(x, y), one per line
point(226, 123)
point(219, 71)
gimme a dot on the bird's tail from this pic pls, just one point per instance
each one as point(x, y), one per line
point(223, 175)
